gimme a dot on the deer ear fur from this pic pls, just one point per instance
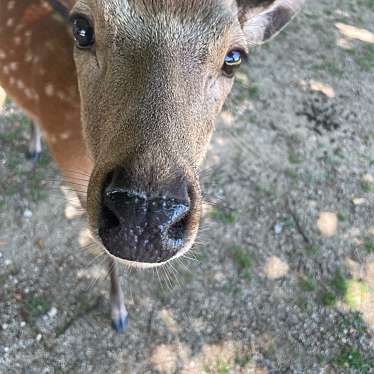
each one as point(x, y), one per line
point(263, 20)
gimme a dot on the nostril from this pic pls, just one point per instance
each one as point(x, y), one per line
point(109, 219)
point(176, 231)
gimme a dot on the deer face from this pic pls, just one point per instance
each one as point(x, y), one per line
point(153, 76)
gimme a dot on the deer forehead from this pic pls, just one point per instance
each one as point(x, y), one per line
point(200, 23)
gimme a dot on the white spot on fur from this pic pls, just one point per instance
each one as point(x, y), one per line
point(30, 94)
point(13, 66)
point(17, 40)
point(28, 56)
point(6, 70)
point(20, 84)
point(10, 22)
point(65, 135)
point(61, 95)
point(49, 89)
point(11, 4)
point(2, 54)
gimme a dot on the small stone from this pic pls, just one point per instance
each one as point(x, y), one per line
point(4, 326)
point(7, 262)
point(52, 312)
point(6, 349)
point(23, 324)
point(359, 201)
point(39, 337)
point(278, 228)
point(27, 213)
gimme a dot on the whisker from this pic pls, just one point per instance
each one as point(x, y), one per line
point(158, 276)
point(179, 259)
point(168, 283)
point(190, 258)
point(95, 279)
point(175, 272)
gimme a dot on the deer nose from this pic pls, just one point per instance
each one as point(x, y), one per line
point(136, 227)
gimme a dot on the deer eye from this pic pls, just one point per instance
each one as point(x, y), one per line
point(232, 61)
point(83, 32)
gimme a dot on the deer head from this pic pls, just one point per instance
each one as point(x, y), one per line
point(153, 76)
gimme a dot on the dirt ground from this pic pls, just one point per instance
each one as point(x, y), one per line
point(282, 277)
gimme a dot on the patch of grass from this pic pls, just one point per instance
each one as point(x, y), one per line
point(289, 223)
point(338, 152)
point(369, 245)
point(322, 359)
point(253, 92)
point(266, 190)
point(367, 187)
point(364, 57)
point(35, 307)
point(307, 284)
point(329, 67)
point(227, 217)
point(358, 292)
point(222, 368)
point(242, 360)
point(328, 298)
point(292, 173)
point(8, 101)
point(343, 216)
point(312, 249)
point(339, 283)
point(58, 371)
point(339, 288)
point(294, 158)
point(353, 321)
point(243, 260)
point(352, 358)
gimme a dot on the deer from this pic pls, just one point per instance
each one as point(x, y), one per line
point(127, 93)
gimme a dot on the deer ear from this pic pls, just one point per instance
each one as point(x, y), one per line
point(261, 20)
